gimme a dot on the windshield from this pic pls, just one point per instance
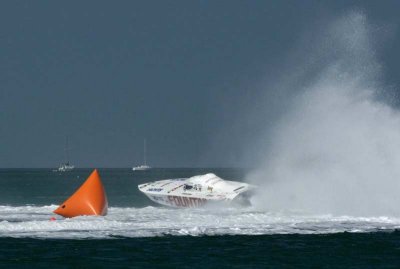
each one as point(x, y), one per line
point(195, 187)
point(187, 187)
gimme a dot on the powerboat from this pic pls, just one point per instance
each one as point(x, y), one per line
point(197, 191)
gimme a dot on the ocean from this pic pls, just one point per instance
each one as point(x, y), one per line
point(137, 233)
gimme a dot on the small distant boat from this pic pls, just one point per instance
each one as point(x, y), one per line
point(141, 168)
point(144, 166)
point(64, 167)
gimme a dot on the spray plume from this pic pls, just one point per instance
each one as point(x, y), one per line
point(336, 150)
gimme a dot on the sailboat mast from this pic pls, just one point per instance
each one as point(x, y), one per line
point(144, 151)
point(66, 150)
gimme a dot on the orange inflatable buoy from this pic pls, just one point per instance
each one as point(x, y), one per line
point(89, 199)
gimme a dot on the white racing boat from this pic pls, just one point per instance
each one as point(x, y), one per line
point(196, 191)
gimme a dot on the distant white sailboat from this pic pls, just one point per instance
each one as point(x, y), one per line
point(143, 166)
point(66, 166)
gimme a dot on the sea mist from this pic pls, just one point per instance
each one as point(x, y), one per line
point(336, 150)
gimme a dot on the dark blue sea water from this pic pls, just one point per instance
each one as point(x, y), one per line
point(139, 234)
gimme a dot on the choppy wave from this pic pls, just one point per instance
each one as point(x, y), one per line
point(34, 222)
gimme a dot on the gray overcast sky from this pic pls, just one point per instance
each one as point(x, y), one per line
point(179, 73)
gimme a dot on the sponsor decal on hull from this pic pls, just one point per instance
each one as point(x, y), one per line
point(179, 201)
point(155, 189)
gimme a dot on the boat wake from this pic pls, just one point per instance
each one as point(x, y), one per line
point(34, 222)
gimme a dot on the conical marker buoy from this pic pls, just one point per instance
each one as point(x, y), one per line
point(89, 199)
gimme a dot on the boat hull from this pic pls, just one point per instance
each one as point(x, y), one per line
point(141, 168)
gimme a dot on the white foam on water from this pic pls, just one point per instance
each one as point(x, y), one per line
point(34, 222)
